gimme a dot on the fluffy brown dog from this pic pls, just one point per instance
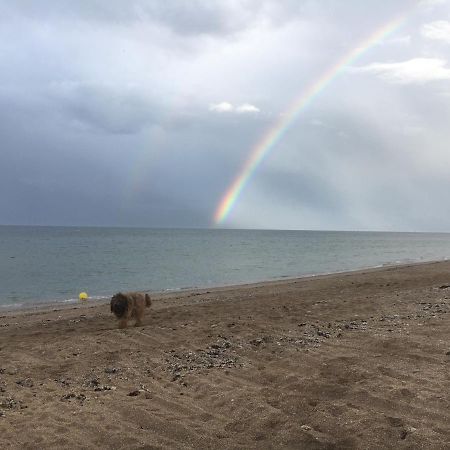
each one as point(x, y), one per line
point(130, 305)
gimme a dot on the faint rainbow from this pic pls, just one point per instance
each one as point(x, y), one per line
point(277, 131)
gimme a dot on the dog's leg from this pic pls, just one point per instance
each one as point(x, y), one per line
point(123, 323)
point(139, 313)
point(139, 316)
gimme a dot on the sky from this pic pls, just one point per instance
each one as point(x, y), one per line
point(145, 112)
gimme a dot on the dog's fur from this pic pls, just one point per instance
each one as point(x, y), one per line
point(130, 305)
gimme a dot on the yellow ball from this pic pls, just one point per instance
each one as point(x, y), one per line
point(83, 296)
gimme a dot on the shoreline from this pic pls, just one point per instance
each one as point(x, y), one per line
point(62, 305)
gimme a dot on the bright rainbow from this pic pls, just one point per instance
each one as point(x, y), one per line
point(278, 130)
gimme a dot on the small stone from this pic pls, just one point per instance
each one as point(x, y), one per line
point(323, 333)
point(306, 428)
point(70, 395)
point(93, 382)
point(27, 382)
point(105, 388)
point(134, 393)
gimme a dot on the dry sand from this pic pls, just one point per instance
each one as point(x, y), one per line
point(356, 360)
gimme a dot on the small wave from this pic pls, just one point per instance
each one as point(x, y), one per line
point(73, 300)
point(10, 306)
point(67, 300)
point(419, 259)
point(48, 303)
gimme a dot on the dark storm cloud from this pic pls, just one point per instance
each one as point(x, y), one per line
point(104, 169)
point(105, 108)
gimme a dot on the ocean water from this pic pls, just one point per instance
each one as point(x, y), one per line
point(53, 264)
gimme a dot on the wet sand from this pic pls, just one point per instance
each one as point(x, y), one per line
point(356, 360)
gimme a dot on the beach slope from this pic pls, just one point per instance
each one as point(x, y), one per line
point(354, 360)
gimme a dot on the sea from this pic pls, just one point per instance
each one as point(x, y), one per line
point(41, 265)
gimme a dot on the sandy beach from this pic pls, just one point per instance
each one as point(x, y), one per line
point(349, 361)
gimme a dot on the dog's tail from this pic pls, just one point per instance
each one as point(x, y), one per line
point(119, 305)
point(148, 301)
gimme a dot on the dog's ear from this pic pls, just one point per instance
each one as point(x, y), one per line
point(117, 296)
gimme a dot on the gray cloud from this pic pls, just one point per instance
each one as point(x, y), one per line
point(194, 17)
point(118, 110)
point(105, 114)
